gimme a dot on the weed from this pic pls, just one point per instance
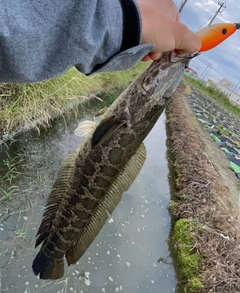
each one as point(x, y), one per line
point(194, 285)
point(222, 130)
point(173, 207)
point(21, 214)
point(21, 234)
point(169, 116)
point(189, 258)
point(23, 104)
point(184, 196)
point(6, 194)
point(211, 117)
point(176, 168)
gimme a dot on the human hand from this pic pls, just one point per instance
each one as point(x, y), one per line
point(161, 26)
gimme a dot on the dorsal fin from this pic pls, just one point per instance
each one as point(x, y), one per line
point(59, 190)
point(105, 130)
point(111, 199)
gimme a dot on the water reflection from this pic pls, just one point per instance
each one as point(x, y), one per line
point(124, 256)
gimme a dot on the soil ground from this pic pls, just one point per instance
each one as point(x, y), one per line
point(207, 191)
point(216, 157)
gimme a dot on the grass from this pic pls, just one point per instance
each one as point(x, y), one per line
point(189, 258)
point(169, 117)
point(178, 174)
point(222, 130)
point(12, 166)
point(10, 169)
point(21, 234)
point(6, 194)
point(22, 104)
point(215, 93)
point(183, 242)
point(173, 207)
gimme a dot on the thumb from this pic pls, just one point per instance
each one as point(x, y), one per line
point(185, 40)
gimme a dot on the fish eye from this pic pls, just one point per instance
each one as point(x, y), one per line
point(224, 31)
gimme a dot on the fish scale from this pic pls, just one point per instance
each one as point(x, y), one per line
point(91, 181)
point(116, 143)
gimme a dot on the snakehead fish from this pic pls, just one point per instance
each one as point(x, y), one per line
point(91, 181)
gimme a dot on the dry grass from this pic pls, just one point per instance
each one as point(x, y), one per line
point(20, 105)
point(203, 196)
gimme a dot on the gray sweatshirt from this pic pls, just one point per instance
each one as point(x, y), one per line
point(41, 39)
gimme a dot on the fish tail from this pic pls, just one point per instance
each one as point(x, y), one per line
point(47, 268)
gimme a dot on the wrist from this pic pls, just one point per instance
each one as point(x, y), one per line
point(143, 11)
point(131, 24)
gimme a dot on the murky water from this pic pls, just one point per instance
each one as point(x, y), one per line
point(131, 252)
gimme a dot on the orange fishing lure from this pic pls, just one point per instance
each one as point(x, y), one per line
point(212, 36)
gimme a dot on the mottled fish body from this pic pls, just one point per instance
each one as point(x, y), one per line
point(91, 181)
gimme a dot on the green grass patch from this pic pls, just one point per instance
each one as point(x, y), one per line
point(173, 207)
point(189, 258)
point(178, 174)
point(169, 116)
point(215, 93)
point(222, 130)
point(21, 104)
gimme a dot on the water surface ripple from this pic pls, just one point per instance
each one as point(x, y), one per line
point(131, 252)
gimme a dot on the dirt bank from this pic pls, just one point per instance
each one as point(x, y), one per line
point(207, 194)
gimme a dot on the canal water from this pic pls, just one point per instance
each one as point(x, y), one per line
point(130, 254)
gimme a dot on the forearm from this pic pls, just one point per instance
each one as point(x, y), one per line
point(42, 39)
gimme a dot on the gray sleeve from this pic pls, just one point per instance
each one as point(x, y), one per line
point(42, 39)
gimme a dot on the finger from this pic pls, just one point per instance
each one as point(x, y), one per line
point(185, 40)
point(178, 17)
point(155, 56)
point(146, 58)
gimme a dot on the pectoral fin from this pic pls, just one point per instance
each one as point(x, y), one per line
point(85, 128)
point(105, 130)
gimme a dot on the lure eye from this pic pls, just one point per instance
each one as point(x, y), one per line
point(224, 31)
